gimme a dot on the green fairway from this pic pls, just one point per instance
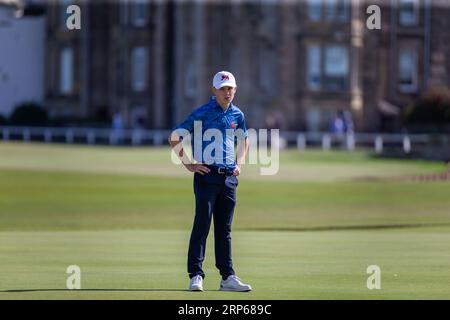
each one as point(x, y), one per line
point(310, 166)
point(124, 215)
point(149, 264)
point(43, 200)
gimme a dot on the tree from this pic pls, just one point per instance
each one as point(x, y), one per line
point(29, 114)
point(3, 120)
point(431, 111)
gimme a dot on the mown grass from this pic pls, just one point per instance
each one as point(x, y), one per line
point(124, 215)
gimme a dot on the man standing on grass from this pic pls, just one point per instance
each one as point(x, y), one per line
point(215, 178)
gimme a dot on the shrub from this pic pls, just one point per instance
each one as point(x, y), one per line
point(433, 108)
point(3, 120)
point(29, 114)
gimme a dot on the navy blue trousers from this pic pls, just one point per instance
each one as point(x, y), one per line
point(215, 197)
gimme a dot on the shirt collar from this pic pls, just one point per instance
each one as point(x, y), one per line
point(214, 103)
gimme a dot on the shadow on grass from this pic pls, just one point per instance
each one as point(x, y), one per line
point(355, 227)
point(96, 290)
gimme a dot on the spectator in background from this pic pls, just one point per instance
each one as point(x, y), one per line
point(117, 121)
point(117, 126)
point(348, 122)
point(337, 124)
point(342, 123)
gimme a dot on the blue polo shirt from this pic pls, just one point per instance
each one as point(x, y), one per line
point(214, 143)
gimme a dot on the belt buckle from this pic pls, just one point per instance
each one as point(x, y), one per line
point(221, 172)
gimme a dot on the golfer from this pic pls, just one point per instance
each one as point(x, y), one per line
point(215, 179)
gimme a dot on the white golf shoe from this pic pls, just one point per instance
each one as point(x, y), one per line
point(196, 283)
point(233, 283)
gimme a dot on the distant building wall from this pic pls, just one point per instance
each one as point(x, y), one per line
point(297, 64)
point(22, 44)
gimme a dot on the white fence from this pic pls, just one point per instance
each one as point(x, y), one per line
point(85, 135)
point(349, 142)
point(137, 137)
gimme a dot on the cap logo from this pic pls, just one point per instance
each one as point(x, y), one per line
point(224, 77)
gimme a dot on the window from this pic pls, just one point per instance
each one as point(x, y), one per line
point(330, 72)
point(190, 83)
point(409, 12)
point(315, 10)
point(342, 10)
point(66, 71)
point(64, 4)
point(407, 70)
point(336, 67)
point(313, 67)
point(267, 70)
point(139, 13)
point(333, 10)
point(330, 6)
point(139, 68)
point(123, 12)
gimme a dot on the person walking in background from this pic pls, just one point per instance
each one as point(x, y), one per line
point(348, 122)
point(337, 124)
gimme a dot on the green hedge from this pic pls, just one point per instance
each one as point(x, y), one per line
point(29, 114)
point(432, 109)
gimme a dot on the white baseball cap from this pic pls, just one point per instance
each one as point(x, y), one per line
point(224, 78)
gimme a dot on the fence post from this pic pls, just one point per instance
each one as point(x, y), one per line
point(406, 144)
point(48, 136)
point(5, 134)
point(326, 142)
point(112, 137)
point(91, 137)
point(136, 137)
point(157, 138)
point(350, 142)
point(26, 135)
point(301, 141)
point(378, 144)
point(69, 136)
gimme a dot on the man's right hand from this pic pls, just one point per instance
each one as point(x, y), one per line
point(199, 168)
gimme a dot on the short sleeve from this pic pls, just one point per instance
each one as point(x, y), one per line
point(243, 127)
point(188, 124)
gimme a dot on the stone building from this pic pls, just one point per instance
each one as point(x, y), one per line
point(114, 64)
point(297, 63)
